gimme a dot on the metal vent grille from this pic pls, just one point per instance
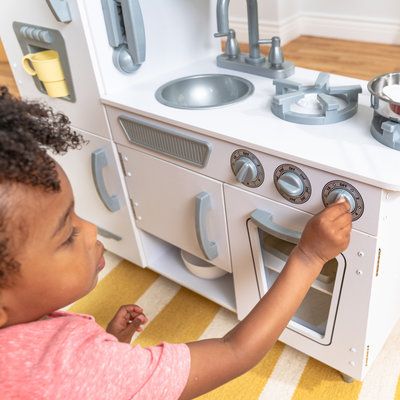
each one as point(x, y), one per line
point(166, 141)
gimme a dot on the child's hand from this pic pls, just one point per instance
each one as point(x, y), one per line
point(126, 322)
point(327, 234)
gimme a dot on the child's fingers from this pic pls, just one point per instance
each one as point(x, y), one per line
point(138, 319)
point(343, 222)
point(134, 325)
point(337, 209)
point(341, 204)
point(134, 310)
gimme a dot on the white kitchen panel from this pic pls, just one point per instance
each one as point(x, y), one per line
point(86, 111)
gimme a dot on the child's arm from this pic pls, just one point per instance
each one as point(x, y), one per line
point(216, 361)
point(126, 322)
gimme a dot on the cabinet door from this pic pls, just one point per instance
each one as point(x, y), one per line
point(101, 197)
point(178, 206)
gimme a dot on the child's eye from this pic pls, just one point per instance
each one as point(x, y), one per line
point(71, 237)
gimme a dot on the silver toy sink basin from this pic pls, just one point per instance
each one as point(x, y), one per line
point(204, 91)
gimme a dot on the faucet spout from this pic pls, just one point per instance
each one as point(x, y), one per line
point(252, 21)
point(253, 62)
point(222, 16)
point(254, 45)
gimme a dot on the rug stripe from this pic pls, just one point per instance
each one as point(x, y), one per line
point(382, 379)
point(112, 260)
point(182, 320)
point(397, 394)
point(320, 382)
point(156, 297)
point(123, 285)
point(285, 376)
point(223, 322)
point(250, 385)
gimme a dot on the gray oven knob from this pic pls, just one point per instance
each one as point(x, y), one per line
point(247, 168)
point(336, 189)
point(292, 183)
point(337, 194)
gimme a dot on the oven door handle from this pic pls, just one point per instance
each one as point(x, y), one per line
point(263, 220)
point(203, 205)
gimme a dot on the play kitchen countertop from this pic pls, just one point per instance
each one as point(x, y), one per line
point(345, 148)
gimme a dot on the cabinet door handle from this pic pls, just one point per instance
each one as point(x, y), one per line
point(263, 219)
point(60, 10)
point(203, 205)
point(108, 234)
point(99, 161)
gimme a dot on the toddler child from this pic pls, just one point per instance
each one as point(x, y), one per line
point(50, 257)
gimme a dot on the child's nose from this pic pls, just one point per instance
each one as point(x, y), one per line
point(90, 230)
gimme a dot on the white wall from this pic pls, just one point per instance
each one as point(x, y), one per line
point(383, 9)
point(364, 20)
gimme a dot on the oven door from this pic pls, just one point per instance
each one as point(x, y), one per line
point(271, 245)
point(272, 230)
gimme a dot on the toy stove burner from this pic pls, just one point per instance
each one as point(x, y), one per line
point(316, 104)
point(386, 131)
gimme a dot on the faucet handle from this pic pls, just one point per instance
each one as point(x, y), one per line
point(232, 49)
point(275, 56)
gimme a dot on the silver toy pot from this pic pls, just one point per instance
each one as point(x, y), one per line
point(381, 103)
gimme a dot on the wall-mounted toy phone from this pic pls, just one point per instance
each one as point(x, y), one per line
point(126, 34)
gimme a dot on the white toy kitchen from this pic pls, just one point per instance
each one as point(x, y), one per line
point(224, 157)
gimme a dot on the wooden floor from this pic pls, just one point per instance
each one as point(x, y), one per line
point(7, 78)
point(362, 60)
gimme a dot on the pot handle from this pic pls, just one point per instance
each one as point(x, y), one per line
point(374, 102)
point(203, 205)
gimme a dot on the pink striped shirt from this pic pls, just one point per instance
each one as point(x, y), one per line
point(70, 357)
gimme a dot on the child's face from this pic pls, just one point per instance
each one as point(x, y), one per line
point(60, 257)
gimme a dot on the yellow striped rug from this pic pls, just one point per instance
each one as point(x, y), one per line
point(178, 315)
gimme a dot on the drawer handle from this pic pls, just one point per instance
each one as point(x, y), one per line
point(203, 205)
point(99, 161)
point(263, 220)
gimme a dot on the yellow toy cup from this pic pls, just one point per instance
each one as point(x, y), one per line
point(46, 65)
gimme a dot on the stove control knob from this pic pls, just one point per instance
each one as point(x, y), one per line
point(247, 168)
point(337, 189)
point(337, 194)
point(291, 184)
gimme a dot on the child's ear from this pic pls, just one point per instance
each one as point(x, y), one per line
point(3, 316)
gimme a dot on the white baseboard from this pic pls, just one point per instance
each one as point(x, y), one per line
point(324, 25)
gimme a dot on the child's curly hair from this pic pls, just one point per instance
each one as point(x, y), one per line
point(26, 130)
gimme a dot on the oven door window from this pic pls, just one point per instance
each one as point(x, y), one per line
point(315, 318)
